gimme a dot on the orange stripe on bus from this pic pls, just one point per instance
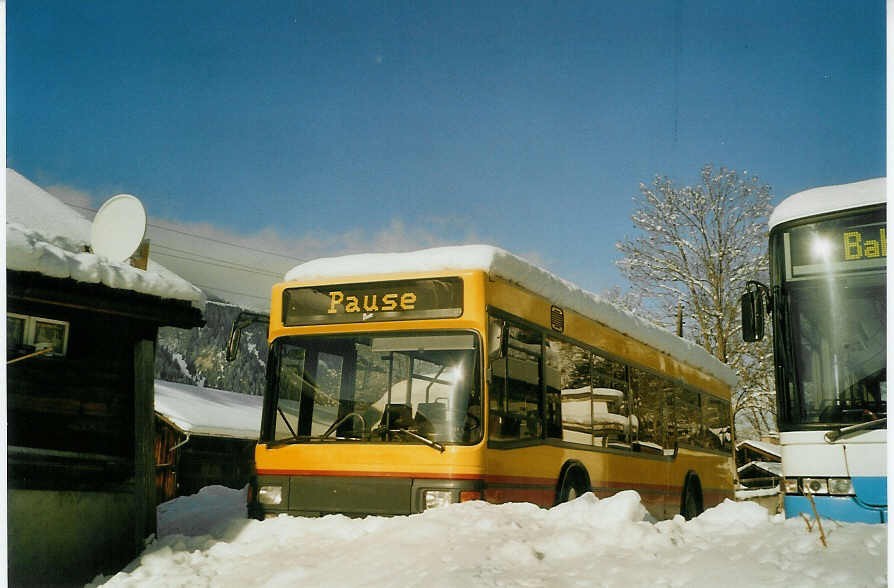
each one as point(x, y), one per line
point(361, 474)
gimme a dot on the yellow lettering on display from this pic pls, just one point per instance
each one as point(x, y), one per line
point(389, 302)
point(370, 306)
point(335, 297)
point(853, 248)
point(352, 304)
point(408, 301)
point(856, 247)
point(339, 302)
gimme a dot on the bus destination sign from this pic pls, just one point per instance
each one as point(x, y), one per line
point(373, 301)
point(834, 246)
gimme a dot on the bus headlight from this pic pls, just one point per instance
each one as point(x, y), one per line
point(841, 486)
point(270, 495)
point(815, 485)
point(790, 485)
point(437, 498)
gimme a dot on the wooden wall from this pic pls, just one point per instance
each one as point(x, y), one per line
point(201, 461)
point(80, 492)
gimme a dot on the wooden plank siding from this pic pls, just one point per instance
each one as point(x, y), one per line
point(81, 475)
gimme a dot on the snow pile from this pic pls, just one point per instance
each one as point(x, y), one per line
point(207, 411)
point(46, 236)
point(200, 513)
point(500, 263)
point(587, 542)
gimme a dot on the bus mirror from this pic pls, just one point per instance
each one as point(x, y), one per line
point(233, 341)
point(752, 316)
point(244, 319)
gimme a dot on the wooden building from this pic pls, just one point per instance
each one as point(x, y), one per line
point(81, 492)
point(203, 437)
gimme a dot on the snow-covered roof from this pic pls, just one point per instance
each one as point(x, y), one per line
point(499, 263)
point(47, 236)
point(207, 411)
point(829, 199)
point(763, 446)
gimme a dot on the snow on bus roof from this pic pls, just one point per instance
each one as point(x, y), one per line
point(47, 236)
point(829, 199)
point(500, 263)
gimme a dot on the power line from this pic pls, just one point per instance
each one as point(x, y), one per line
point(212, 239)
point(216, 289)
point(205, 259)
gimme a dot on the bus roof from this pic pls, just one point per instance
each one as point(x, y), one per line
point(500, 263)
point(829, 199)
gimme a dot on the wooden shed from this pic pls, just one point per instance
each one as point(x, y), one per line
point(203, 437)
point(81, 492)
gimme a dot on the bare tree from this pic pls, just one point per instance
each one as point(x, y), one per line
point(695, 248)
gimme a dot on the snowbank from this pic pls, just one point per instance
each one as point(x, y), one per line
point(587, 542)
point(500, 263)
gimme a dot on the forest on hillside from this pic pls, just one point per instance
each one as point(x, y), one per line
point(198, 356)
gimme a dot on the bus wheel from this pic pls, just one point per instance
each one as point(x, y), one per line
point(691, 503)
point(575, 482)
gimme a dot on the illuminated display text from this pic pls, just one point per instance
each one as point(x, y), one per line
point(422, 298)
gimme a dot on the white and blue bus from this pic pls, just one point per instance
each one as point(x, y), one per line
point(828, 259)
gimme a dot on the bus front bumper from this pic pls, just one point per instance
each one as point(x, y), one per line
point(308, 495)
point(846, 509)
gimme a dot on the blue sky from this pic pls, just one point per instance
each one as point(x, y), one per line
point(328, 127)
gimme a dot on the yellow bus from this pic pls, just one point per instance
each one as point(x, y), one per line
point(401, 382)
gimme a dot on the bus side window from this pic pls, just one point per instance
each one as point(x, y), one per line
point(716, 414)
point(554, 380)
point(496, 380)
point(611, 421)
point(688, 412)
point(573, 364)
point(515, 398)
point(650, 411)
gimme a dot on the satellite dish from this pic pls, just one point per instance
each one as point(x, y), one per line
point(119, 227)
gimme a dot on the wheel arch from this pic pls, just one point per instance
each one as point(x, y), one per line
point(692, 483)
point(570, 468)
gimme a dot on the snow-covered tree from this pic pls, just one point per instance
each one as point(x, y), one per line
point(695, 247)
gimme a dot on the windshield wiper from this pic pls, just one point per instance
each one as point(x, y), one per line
point(833, 436)
point(288, 441)
point(425, 440)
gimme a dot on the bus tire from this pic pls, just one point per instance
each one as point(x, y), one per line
point(573, 482)
point(691, 501)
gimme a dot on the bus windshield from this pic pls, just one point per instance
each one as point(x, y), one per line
point(385, 387)
point(836, 341)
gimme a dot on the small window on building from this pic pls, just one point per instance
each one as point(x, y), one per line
point(52, 334)
point(15, 330)
point(26, 334)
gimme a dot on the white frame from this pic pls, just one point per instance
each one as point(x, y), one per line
point(30, 331)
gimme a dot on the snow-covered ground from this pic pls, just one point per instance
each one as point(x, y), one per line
point(204, 540)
